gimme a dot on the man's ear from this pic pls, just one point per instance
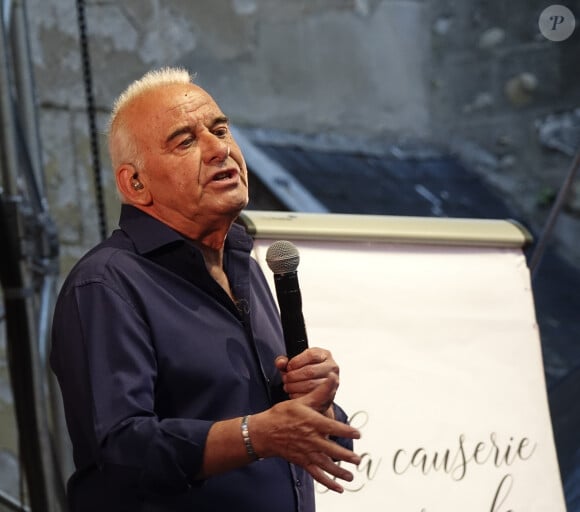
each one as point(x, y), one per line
point(131, 186)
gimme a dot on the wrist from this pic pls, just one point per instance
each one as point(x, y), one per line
point(247, 439)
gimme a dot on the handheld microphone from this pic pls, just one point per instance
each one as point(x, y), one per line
point(282, 257)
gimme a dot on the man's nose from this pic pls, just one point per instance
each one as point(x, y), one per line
point(215, 149)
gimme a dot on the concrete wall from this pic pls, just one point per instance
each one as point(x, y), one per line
point(474, 77)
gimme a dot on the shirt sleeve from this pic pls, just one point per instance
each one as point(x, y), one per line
point(105, 360)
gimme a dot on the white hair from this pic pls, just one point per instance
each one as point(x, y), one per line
point(122, 145)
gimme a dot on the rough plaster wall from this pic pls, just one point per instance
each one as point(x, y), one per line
point(391, 70)
point(331, 70)
point(495, 81)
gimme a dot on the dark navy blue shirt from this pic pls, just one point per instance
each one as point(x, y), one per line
point(149, 351)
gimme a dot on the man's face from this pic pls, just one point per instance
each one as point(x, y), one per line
point(192, 167)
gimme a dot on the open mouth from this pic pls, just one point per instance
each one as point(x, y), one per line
point(225, 175)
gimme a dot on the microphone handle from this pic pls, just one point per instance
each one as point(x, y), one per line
point(290, 303)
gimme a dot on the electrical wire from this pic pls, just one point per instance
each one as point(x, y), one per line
point(88, 82)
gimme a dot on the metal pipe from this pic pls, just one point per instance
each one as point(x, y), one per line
point(6, 10)
point(8, 143)
point(24, 83)
point(23, 222)
point(45, 307)
point(11, 503)
point(553, 216)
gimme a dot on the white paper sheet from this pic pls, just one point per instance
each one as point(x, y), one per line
point(441, 369)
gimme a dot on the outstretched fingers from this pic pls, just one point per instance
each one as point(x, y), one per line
point(327, 472)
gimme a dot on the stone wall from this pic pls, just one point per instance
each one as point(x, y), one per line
point(504, 97)
point(475, 77)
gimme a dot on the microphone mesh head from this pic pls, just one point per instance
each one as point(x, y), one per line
point(282, 257)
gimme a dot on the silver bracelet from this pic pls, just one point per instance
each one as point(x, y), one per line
point(246, 438)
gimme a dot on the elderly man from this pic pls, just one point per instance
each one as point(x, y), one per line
point(166, 340)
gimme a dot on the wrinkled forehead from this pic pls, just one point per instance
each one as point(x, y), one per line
point(187, 97)
point(170, 102)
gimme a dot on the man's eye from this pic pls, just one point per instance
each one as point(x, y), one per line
point(221, 132)
point(186, 142)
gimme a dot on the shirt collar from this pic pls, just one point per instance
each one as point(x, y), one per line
point(149, 234)
point(146, 232)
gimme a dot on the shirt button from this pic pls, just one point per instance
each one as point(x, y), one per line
point(298, 482)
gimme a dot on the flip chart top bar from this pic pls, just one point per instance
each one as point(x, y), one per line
point(385, 228)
